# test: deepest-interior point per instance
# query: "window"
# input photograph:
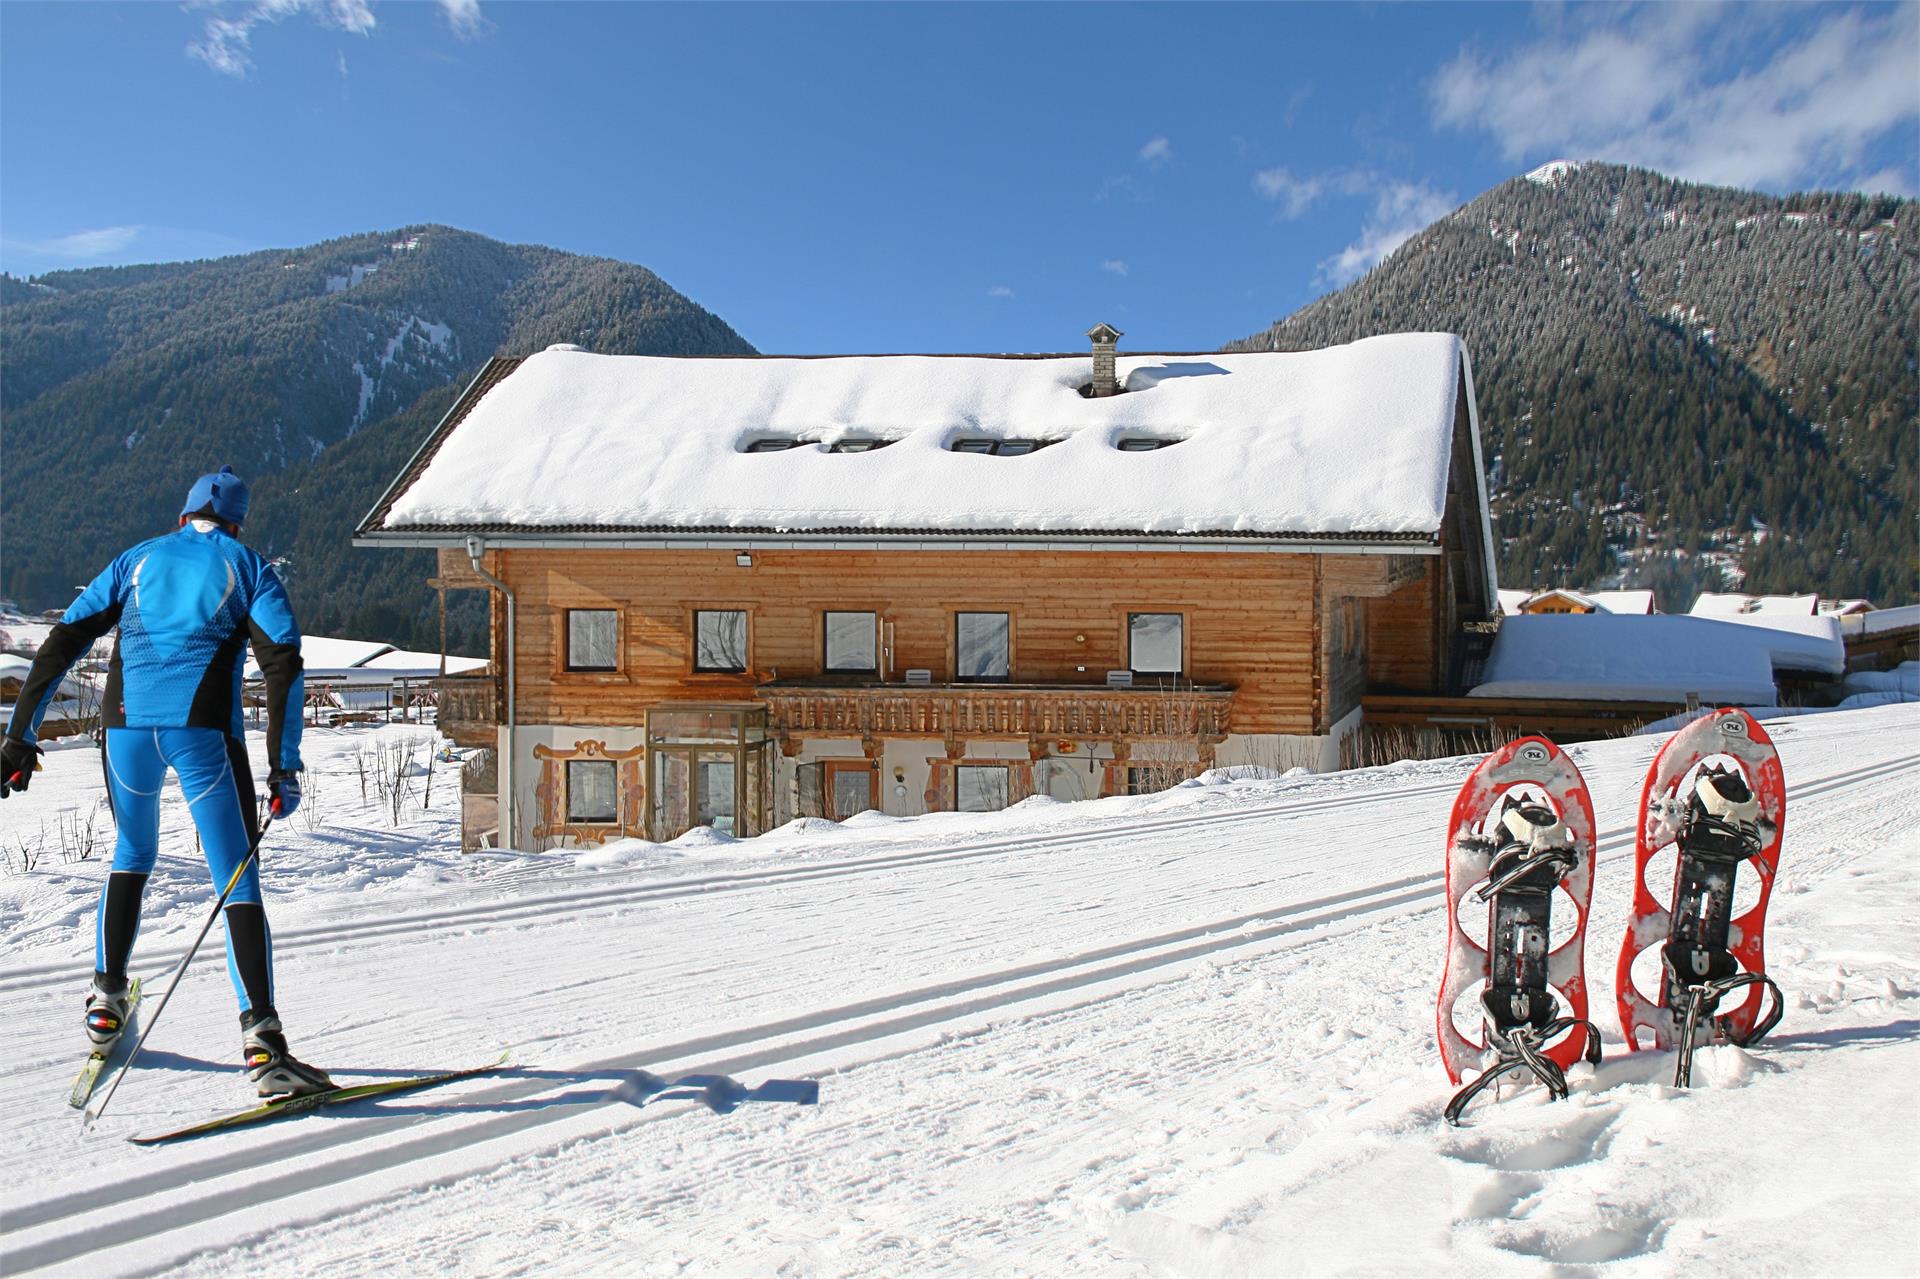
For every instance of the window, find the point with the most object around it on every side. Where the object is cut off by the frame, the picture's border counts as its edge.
(1154, 778)
(593, 639)
(980, 647)
(772, 446)
(1143, 445)
(719, 640)
(980, 788)
(1001, 448)
(851, 642)
(857, 446)
(1154, 643)
(590, 791)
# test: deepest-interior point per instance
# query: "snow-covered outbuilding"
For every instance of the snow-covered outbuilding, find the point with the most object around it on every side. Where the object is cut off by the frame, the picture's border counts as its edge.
(1652, 659)
(367, 675)
(729, 591)
(1560, 600)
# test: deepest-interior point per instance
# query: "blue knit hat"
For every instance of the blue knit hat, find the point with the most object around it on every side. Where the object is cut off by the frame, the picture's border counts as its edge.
(223, 491)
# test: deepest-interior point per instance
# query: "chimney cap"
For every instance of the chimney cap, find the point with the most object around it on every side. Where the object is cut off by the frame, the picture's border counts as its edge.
(1105, 333)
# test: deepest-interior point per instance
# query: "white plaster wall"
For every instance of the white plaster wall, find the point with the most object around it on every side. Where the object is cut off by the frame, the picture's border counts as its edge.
(525, 773)
(1281, 751)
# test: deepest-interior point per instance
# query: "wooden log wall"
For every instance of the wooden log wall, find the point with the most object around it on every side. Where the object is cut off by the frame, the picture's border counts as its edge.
(1251, 620)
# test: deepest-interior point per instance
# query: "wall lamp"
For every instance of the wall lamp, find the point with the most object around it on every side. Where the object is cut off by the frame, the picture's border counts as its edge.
(743, 559)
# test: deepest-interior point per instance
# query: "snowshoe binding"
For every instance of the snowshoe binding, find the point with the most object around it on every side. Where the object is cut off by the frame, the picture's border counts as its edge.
(276, 1072)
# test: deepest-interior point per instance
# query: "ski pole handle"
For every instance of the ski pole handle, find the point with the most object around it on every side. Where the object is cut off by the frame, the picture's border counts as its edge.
(96, 1109)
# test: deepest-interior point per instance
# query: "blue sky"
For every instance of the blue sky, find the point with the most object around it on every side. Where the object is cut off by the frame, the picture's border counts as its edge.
(907, 177)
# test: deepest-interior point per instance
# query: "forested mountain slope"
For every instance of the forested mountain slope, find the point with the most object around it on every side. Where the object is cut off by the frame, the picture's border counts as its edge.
(314, 372)
(1678, 384)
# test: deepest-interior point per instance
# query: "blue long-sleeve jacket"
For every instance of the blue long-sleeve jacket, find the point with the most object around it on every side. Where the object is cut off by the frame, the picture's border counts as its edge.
(187, 605)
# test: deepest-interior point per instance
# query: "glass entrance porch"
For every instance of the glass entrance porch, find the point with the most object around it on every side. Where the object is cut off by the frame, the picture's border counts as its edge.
(708, 766)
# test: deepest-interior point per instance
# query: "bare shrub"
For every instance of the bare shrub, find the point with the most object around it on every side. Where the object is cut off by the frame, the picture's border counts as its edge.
(387, 765)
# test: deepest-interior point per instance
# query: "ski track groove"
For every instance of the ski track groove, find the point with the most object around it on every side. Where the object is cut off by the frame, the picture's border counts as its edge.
(743, 1049)
(617, 896)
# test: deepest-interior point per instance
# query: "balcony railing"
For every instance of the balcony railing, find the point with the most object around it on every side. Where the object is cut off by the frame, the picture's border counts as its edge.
(988, 710)
(468, 708)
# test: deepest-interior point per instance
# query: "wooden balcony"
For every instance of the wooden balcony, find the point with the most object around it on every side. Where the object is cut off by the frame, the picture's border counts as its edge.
(468, 708)
(1076, 711)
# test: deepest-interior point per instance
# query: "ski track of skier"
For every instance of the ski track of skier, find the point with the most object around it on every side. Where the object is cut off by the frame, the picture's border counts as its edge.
(1068, 994)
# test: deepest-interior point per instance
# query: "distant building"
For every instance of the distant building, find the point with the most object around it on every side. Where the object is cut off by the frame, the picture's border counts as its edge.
(1519, 603)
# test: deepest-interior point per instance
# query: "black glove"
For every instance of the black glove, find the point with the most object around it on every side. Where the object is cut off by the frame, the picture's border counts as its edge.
(283, 793)
(18, 760)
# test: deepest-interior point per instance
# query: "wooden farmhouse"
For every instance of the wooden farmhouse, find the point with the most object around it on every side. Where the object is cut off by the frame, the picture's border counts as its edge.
(729, 592)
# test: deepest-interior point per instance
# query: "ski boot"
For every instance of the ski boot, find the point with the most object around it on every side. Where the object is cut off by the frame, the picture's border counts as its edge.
(1720, 829)
(108, 1002)
(275, 1072)
(1530, 854)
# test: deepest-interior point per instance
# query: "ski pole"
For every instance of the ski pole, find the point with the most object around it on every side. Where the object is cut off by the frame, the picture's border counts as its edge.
(96, 1109)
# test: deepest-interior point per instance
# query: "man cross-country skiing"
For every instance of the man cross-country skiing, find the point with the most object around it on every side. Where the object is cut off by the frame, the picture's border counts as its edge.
(187, 605)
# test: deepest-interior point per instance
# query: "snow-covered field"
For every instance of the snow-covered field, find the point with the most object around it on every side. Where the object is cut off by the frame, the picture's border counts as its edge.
(1188, 1034)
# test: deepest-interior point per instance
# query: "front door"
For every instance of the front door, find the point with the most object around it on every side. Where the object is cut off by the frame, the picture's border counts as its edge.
(713, 794)
(850, 788)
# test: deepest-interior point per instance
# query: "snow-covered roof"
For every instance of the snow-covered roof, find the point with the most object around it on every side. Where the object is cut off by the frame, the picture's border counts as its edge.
(1351, 441)
(1719, 604)
(401, 661)
(1510, 601)
(1632, 602)
(1614, 658)
(1881, 620)
(321, 654)
(1798, 641)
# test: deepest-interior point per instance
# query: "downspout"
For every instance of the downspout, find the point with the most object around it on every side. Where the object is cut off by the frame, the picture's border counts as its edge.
(476, 547)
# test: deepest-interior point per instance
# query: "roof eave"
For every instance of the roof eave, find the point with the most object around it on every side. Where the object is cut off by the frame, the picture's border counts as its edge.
(640, 539)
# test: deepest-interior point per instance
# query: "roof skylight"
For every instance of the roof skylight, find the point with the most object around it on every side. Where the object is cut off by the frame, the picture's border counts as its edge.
(1001, 448)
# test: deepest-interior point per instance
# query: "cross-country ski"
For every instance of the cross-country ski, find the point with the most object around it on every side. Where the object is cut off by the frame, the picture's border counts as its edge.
(107, 1021)
(306, 1103)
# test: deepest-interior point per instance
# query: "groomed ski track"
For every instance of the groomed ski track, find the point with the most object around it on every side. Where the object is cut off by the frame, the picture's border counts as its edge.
(606, 985)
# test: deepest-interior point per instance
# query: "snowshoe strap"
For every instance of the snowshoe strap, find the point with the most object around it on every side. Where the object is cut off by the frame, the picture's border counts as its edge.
(1703, 1000)
(1523, 1050)
(1561, 859)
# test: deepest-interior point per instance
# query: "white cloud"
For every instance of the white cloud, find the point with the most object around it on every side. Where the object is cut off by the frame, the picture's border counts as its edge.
(1888, 182)
(999, 291)
(88, 244)
(226, 45)
(1157, 151)
(463, 16)
(1401, 210)
(1676, 88)
(1115, 266)
(1294, 194)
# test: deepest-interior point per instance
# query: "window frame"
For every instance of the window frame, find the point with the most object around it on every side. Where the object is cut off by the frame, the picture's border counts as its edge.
(1181, 670)
(566, 652)
(1006, 774)
(960, 678)
(826, 641)
(832, 769)
(567, 785)
(746, 643)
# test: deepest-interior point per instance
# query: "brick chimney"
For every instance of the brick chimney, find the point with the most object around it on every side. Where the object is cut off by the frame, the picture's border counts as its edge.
(1104, 381)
